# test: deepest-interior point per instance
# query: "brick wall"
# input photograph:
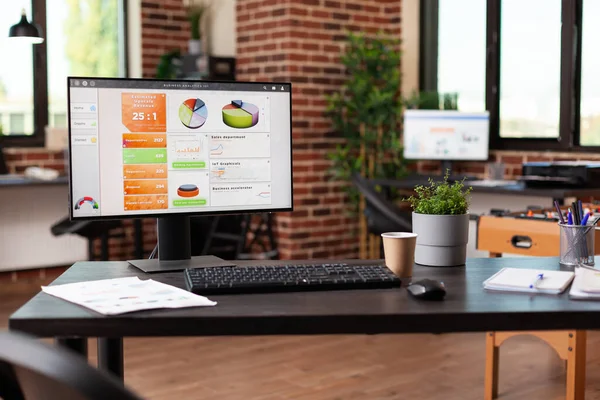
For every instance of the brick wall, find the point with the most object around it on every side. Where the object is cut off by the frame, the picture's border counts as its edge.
(301, 41)
(164, 28)
(17, 159)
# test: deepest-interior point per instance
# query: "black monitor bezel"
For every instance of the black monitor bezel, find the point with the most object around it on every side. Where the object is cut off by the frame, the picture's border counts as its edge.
(180, 214)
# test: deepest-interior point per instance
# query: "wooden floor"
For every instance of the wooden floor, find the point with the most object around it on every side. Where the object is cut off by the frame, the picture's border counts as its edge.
(336, 367)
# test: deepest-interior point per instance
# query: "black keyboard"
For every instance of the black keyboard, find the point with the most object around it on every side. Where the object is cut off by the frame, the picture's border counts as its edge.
(288, 278)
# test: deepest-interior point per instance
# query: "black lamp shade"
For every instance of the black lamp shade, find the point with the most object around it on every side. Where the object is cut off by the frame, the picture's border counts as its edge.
(26, 30)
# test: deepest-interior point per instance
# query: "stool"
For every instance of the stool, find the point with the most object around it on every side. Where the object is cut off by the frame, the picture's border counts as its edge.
(569, 345)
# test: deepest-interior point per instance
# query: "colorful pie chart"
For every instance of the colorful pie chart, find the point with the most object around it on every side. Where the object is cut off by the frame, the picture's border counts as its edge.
(193, 113)
(240, 114)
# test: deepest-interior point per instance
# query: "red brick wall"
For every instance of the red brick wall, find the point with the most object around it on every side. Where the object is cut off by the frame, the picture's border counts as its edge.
(17, 159)
(301, 41)
(164, 28)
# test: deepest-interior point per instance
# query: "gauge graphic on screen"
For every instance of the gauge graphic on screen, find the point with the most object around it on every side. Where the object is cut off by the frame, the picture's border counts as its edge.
(240, 114)
(193, 113)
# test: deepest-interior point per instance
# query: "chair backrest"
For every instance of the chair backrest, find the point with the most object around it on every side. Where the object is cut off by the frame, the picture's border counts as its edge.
(46, 372)
(386, 215)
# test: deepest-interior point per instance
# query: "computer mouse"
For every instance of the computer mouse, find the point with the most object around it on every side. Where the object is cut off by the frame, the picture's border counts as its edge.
(427, 289)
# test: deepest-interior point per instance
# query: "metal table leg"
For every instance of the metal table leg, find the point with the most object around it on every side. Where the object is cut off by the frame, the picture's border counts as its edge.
(78, 345)
(110, 356)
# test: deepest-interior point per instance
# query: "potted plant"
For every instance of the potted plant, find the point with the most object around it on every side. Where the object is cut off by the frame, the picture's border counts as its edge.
(195, 13)
(441, 221)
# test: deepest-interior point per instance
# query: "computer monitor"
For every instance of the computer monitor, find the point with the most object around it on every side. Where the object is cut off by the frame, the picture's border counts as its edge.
(446, 135)
(172, 149)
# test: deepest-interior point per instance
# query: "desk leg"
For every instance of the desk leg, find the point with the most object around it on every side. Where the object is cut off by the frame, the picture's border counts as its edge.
(492, 355)
(78, 345)
(576, 365)
(110, 356)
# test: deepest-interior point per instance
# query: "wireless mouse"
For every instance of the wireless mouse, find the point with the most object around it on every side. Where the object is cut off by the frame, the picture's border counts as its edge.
(427, 289)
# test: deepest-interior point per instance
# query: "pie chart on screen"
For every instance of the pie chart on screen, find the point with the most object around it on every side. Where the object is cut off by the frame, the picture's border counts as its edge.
(193, 113)
(240, 114)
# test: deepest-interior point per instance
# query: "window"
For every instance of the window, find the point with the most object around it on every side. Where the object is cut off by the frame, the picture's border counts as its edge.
(589, 124)
(541, 84)
(17, 122)
(82, 38)
(461, 52)
(530, 68)
(16, 79)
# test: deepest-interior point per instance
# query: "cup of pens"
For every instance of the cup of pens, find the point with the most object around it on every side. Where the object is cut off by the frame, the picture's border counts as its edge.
(577, 234)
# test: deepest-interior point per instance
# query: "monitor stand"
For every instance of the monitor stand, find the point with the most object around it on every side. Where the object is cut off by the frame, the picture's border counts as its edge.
(175, 249)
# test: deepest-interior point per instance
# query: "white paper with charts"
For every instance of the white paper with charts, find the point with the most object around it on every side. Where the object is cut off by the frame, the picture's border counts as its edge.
(123, 295)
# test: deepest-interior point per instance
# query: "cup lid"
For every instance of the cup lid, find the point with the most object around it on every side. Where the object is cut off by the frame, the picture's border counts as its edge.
(399, 235)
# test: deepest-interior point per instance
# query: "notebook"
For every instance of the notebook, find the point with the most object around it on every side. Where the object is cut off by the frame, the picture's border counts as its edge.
(586, 284)
(520, 280)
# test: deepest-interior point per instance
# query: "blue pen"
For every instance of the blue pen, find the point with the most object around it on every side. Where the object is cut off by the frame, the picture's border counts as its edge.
(585, 219)
(570, 218)
(538, 278)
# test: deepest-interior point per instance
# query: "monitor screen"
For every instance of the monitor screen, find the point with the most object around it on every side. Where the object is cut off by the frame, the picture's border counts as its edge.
(445, 135)
(143, 148)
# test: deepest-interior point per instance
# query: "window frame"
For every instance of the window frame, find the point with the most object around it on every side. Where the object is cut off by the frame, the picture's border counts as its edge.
(570, 75)
(40, 77)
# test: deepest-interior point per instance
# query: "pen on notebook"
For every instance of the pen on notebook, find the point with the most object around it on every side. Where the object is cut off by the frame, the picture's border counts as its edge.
(538, 278)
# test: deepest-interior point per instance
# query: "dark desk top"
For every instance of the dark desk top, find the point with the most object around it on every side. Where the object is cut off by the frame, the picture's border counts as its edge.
(467, 307)
(517, 189)
(17, 180)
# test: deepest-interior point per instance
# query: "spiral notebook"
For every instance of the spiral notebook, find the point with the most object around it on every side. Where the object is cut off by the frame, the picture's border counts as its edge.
(522, 280)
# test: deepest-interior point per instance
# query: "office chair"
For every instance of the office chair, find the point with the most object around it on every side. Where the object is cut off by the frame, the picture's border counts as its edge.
(382, 215)
(32, 370)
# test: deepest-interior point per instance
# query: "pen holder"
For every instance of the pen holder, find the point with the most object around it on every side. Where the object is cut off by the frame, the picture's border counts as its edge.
(576, 245)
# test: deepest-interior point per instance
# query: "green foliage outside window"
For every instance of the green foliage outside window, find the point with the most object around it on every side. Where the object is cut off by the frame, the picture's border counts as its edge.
(92, 42)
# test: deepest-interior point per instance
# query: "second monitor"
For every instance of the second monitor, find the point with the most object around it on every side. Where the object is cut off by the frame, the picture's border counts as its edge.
(446, 135)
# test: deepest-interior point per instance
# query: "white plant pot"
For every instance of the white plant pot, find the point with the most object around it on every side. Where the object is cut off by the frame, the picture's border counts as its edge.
(441, 239)
(194, 47)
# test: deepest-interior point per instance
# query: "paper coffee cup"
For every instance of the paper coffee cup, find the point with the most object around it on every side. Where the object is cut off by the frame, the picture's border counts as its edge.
(399, 251)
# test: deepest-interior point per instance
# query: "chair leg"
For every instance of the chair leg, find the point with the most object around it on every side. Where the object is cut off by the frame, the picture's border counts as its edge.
(491, 366)
(576, 365)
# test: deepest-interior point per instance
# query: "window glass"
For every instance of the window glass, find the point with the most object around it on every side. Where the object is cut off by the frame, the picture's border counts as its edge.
(83, 40)
(590, 79)
(461, 51)
(530, 45)
(16, 73)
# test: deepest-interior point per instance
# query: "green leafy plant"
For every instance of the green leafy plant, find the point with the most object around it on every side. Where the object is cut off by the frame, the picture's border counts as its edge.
(367, 112)
(441, 198)
(169, 65)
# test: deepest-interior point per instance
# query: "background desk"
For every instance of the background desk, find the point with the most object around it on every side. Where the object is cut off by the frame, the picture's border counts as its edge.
(27, 211)
(467, 308)
(514, 197)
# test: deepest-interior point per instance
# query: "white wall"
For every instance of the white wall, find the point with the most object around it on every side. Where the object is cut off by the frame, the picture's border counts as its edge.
(25, 237)
(222, 30)
(134, 38)
(410, 46)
